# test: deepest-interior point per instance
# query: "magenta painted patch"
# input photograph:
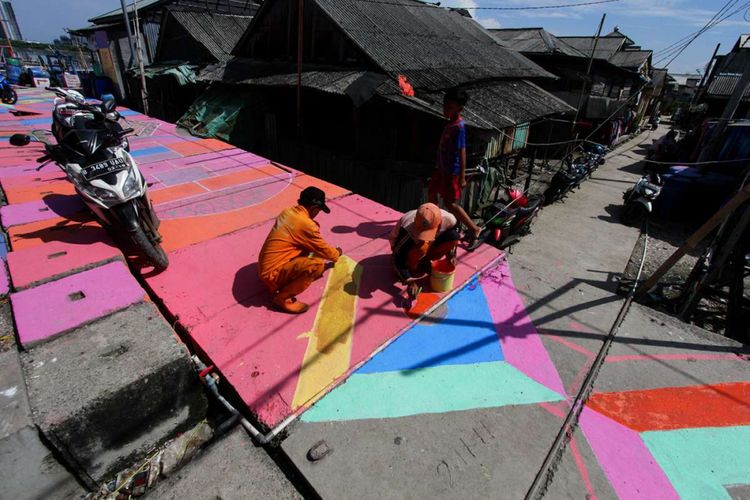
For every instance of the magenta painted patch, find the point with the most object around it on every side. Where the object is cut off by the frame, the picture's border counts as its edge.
(56, 258)
(57, 307)
(51, 207)
(520, 341)
(628, 464)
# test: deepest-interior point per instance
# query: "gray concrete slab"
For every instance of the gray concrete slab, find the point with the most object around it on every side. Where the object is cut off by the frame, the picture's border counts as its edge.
(653, 350)
(469, 454)
(27, 468)
(232, 468)
(107, 393)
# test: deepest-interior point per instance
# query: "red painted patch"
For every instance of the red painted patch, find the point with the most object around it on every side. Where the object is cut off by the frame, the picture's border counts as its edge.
(720, 405)
(423, 304)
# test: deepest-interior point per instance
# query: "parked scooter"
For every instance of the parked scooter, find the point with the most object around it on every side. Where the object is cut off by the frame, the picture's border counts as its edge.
(91, 151)
(7, 92)
(569, 177)
(639, 200)
(508, 222)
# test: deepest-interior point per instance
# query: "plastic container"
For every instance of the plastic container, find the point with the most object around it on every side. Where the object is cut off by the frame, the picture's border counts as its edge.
(441, 278)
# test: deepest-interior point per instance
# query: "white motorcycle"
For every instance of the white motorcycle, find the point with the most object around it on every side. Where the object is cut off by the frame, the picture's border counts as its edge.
(639, 200)
(92, 150)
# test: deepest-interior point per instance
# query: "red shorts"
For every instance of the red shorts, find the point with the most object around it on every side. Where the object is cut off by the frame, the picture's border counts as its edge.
(446, 185)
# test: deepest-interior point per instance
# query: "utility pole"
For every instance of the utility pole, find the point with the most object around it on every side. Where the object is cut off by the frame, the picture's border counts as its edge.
(5, 34)
(129, 31)
(139, 55)
(300, 53)
(726, 117)
(704, 78)
(588, 70)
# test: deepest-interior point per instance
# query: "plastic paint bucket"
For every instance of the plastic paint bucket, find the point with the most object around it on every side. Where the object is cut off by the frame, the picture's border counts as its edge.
(441, 279)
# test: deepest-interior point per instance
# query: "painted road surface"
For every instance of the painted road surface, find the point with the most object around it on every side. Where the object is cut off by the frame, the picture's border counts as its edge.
(217, 204)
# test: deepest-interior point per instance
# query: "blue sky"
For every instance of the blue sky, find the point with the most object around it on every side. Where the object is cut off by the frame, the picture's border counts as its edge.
(654, 24)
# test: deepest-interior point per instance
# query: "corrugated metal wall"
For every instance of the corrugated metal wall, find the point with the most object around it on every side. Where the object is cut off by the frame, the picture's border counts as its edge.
(151, 32)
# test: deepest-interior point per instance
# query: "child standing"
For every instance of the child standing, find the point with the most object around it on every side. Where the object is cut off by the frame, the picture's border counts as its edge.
(449, 177)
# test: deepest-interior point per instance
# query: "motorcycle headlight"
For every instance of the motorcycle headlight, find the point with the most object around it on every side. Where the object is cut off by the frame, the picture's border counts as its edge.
(102, 194)
(132, 186)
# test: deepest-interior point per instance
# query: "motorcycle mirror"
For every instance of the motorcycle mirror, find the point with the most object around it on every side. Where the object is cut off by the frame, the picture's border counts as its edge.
(20, 140)
(109, 105)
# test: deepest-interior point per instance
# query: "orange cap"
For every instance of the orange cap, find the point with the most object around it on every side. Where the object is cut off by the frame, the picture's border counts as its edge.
(427, 222)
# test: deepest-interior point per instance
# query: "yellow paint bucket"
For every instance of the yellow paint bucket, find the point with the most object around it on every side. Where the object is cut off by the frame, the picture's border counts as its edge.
(441, 278)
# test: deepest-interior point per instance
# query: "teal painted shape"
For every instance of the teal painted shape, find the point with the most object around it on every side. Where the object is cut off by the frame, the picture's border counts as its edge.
(437, 389)
(700, 463)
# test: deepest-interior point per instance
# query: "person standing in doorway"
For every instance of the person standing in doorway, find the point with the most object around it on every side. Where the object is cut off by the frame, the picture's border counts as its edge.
(449, 178)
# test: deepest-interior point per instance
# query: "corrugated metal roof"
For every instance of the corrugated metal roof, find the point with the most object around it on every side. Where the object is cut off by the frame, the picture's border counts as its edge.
(434, 47)
(724, 85)
(494, 105)
(142, 4)
(734, 62)
(606, 47)
(217, 32)
(535, 41)
(497, 104)
(631, 59)
(245, 7)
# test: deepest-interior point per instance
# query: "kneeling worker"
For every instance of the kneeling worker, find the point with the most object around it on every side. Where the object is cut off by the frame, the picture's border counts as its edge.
(420, 237)
(295, 254)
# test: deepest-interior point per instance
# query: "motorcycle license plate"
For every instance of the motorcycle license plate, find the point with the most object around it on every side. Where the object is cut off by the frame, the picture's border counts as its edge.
(103, 168)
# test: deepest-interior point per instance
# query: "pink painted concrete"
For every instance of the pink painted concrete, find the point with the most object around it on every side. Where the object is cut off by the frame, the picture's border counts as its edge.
(214, 289)
(50, 207)
(521, 344)
(56, 259)
(51, 309)
(628, 464)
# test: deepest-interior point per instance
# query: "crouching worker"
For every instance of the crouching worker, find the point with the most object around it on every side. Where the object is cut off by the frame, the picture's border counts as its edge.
(295, 254)
(420, 237)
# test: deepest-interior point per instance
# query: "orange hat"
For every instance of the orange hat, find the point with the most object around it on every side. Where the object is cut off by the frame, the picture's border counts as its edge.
(427, 222)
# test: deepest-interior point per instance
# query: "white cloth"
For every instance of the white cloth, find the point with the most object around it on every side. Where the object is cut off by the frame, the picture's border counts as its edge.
(448, 221)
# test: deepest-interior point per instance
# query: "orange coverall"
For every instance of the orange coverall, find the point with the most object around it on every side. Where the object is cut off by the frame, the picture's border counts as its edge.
(285, 256)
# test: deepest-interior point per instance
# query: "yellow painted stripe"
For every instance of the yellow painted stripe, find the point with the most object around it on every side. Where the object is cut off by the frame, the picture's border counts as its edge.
(329, 344)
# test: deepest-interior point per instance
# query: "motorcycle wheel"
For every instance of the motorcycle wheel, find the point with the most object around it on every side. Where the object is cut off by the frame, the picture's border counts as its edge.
(10, 97)
(151, 250)
(634, 213)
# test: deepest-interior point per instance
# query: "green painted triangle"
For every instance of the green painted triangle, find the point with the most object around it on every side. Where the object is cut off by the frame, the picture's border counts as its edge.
(436, 389)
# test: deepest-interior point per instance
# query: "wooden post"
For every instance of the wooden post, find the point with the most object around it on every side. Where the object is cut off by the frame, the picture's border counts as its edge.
(737, 325)
(529, 177)
(694, 239)
(588, 70)
(724, 248)
(300, 53)
(516, 164)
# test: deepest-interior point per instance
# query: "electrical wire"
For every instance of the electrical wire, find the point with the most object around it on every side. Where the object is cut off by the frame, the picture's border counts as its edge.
(722, 15)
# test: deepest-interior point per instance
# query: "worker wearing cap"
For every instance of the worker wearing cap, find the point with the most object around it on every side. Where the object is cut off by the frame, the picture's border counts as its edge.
(420, 237)
(295, 254)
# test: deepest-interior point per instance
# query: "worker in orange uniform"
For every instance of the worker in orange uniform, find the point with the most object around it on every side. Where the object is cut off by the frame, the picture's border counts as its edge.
(421, 237)
(295, 254)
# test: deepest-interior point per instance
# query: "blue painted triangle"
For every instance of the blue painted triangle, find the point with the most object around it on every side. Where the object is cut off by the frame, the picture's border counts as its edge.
(466, 335)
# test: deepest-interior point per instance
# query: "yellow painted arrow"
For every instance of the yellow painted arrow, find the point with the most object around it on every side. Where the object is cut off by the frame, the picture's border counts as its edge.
(329, 345)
